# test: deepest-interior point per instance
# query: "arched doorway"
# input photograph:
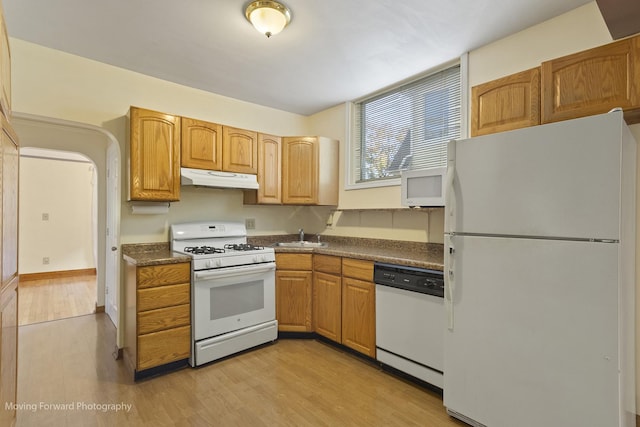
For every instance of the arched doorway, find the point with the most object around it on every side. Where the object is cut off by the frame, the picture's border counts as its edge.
(103, 149)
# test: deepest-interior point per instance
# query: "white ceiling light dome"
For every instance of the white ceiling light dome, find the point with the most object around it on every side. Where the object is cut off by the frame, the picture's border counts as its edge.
(268, 17)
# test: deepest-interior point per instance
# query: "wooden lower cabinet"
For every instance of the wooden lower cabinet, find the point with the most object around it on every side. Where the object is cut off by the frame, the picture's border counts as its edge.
(327, 296)
(359, 316)
(293, 300)
(158, 315)
(8, 351)
(162, 347)
(358, 306)
(327, 304)
(336, 300)
(294, 283)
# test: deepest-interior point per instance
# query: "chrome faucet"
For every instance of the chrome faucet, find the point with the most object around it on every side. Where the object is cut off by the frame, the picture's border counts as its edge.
(301, 231)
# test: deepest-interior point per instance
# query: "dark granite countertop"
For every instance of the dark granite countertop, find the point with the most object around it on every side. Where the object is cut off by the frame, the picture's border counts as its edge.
(143, 254)
(415, 254)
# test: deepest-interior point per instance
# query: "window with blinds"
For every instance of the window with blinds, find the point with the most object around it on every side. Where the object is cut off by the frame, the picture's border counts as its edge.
(407, 127)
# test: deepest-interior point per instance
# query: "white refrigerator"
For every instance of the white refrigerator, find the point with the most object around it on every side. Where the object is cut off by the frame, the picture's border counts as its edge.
(540, 276)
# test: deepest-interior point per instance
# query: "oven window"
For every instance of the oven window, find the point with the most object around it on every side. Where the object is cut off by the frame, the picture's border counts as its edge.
(236, 299)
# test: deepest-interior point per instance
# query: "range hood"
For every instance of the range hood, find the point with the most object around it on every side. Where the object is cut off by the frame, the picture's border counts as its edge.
(218, 179)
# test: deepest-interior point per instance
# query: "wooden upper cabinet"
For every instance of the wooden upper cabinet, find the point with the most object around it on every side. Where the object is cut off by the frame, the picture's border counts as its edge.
(507, 103)
(593, 82)
(269, 172)
(300, 170)
(239, 150)
(201, 144)
(155, 156)
(309, 171)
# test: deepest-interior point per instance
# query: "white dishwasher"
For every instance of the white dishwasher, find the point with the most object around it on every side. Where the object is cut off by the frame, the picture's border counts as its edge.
(410, 321)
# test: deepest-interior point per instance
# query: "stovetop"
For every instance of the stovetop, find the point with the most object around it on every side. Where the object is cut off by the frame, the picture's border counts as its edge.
(229, 247)
(217, 245)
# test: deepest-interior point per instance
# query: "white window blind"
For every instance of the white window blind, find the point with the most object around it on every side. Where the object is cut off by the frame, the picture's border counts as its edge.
(407, 127)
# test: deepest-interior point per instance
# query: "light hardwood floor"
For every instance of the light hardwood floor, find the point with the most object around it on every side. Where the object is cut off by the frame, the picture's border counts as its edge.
(43, 300)
(288, 383)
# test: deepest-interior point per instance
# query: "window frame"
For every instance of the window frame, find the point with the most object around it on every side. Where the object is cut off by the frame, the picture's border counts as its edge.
(353, 143)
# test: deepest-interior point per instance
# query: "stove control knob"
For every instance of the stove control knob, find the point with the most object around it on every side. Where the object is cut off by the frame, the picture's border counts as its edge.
(218, 263)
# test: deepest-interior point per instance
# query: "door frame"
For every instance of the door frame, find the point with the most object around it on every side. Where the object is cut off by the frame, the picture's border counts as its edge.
(98, 144)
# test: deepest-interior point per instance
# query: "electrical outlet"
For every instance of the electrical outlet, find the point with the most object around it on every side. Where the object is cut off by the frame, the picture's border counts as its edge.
(45, 217)
(250, 223)
(45, 260)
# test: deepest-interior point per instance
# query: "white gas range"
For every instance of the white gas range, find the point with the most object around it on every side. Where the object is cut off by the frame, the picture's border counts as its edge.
(232, 289)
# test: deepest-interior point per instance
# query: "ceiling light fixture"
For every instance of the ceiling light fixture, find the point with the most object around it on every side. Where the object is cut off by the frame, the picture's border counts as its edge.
(268, 17)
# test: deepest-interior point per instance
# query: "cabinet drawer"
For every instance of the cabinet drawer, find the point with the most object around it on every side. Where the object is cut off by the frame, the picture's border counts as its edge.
(357, 268)
(163, 318)
(164, 296)
(165, 274)
(159, 348)
(294, 262)
(327, 264)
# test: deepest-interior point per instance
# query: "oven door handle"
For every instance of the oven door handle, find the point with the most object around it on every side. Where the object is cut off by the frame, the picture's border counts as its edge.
(235, 271)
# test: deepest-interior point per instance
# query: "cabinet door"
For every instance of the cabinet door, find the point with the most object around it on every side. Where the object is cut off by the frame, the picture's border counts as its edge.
(593, 82)
(239, 150)
(269, 172)
(327, 303)
(293, 300)
(508, 103)
(8, 350)
(201, 144)
(10, 160)
(300, 170)
(269, 169)
(359, 315)
(155, 156)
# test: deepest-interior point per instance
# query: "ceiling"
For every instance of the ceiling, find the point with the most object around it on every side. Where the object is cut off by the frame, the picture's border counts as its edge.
(333, 50)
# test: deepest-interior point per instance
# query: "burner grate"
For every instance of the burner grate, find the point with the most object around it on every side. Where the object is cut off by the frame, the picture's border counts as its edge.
(203, 250)
(243, 247)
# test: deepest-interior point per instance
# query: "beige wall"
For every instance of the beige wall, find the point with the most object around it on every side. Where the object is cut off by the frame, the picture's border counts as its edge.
(577, 30)
(50, 83)
(54, 84)
(580, 29)
(65, 191)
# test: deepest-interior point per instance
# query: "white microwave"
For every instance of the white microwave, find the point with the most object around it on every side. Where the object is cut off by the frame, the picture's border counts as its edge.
(424, 187)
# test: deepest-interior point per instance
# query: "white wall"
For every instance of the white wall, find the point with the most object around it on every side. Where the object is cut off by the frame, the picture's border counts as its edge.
(65, 191)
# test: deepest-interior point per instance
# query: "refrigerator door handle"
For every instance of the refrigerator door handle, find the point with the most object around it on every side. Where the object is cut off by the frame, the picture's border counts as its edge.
(449, 281)
(449, 194)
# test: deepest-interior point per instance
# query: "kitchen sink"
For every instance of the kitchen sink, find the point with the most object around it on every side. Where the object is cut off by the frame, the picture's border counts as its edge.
(301, 244)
